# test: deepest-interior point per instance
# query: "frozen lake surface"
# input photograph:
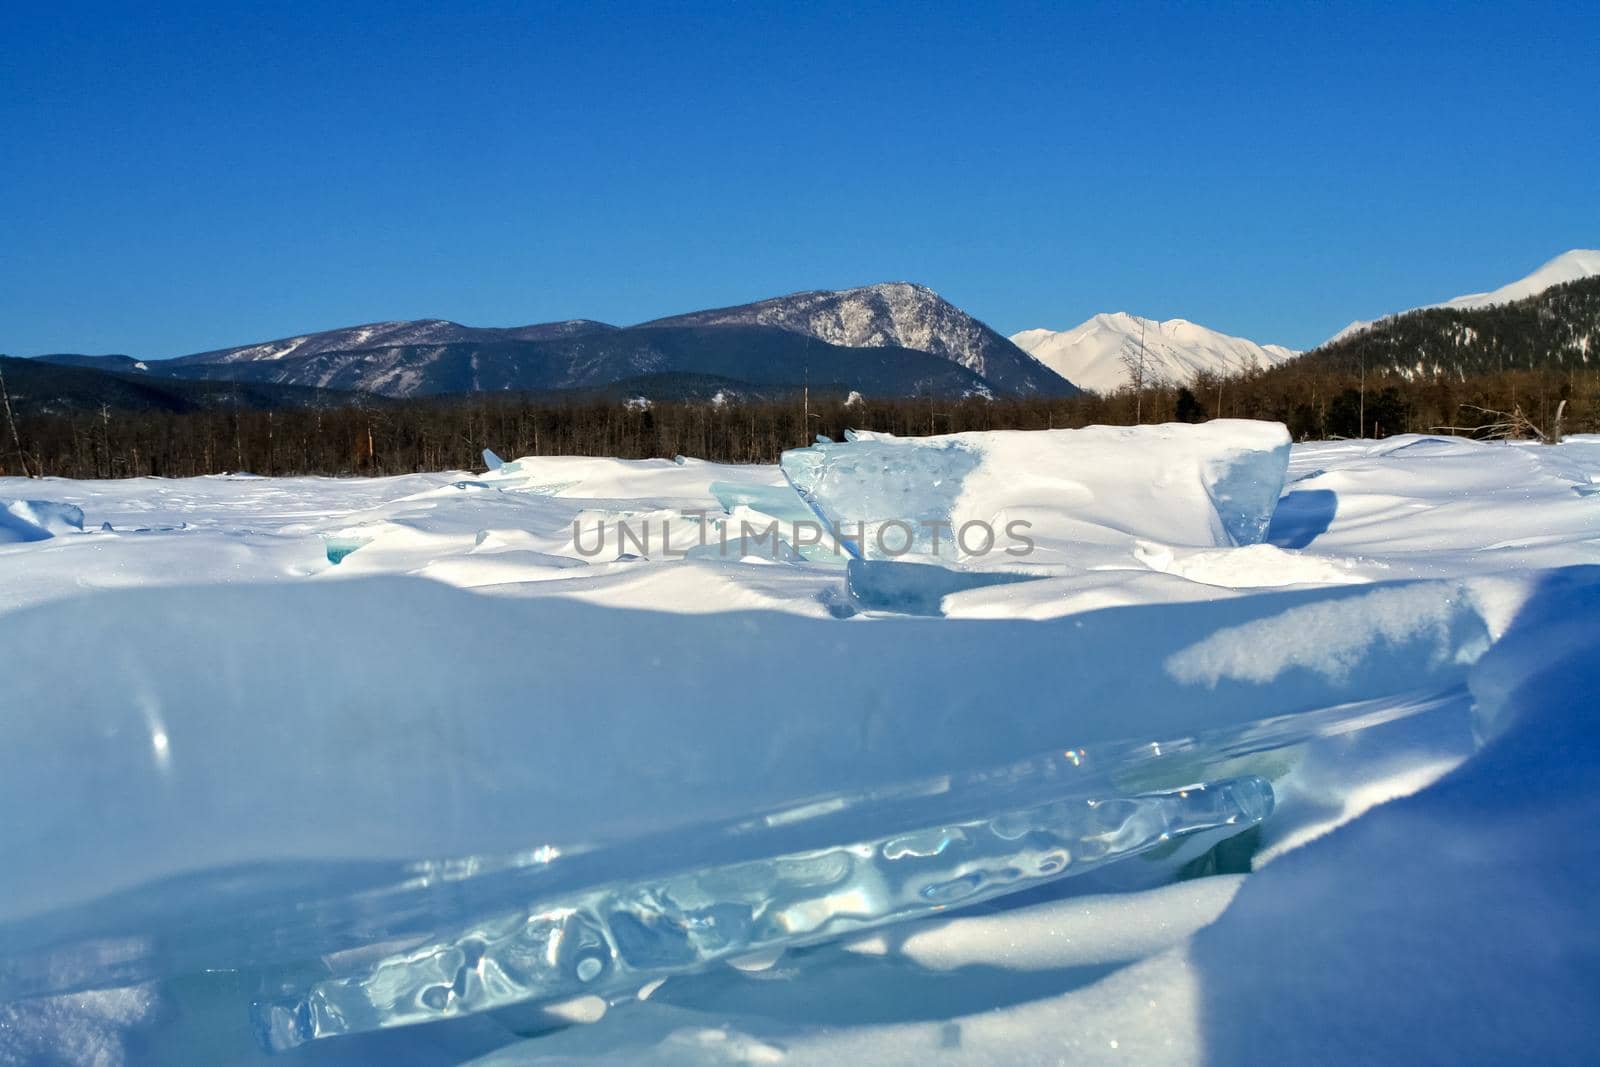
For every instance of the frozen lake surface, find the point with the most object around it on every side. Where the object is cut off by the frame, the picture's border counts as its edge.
(556, 763)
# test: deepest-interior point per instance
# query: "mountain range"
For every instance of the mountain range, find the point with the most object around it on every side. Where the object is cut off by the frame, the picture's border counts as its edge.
(892, 340)
(889, 340)
(1103, 353)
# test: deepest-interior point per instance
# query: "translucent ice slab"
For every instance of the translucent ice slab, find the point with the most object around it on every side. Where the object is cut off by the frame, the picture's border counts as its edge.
(798, 525)
(994, 498)
(914, 588)
(894, 493)
(625, 935)
(811, 876)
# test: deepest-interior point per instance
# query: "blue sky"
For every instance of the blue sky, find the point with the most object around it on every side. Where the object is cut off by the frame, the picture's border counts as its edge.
(176, 179)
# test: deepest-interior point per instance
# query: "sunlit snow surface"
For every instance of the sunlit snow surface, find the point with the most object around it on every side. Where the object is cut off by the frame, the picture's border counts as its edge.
(324, 751)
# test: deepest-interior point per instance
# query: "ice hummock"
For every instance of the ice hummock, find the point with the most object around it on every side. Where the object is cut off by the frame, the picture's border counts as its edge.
(993, 498)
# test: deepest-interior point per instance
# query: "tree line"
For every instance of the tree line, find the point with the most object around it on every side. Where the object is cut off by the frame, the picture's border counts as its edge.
(1314, 399)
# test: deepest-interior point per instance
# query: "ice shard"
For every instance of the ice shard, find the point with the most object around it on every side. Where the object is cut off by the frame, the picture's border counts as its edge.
(889, 497)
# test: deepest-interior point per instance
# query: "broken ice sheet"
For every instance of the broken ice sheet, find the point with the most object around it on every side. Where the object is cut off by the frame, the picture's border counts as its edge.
(624, 935)
(939, 843)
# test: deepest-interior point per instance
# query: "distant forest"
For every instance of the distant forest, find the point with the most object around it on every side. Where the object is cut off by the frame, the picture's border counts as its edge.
(1314, 401)
(1519, 369)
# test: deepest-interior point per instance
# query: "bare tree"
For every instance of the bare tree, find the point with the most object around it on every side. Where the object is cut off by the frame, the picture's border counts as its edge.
(11, 421)
(1134, 361)
(1509, 425)
(1361, 418)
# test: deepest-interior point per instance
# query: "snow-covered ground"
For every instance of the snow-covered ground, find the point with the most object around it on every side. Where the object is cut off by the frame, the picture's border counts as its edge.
(265, 733)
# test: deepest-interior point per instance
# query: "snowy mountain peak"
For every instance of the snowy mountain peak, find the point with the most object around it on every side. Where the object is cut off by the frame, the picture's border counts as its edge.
(890, 314)
(1567, 267)
(1101, 353)
(1571, 266)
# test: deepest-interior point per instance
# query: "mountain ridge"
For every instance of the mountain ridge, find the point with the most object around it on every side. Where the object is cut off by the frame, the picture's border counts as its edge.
(1570, 266)
(1558, 327)
(41, 386)
(753, 355)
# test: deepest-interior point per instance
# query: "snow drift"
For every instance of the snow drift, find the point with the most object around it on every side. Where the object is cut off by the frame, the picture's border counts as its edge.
(37, 520)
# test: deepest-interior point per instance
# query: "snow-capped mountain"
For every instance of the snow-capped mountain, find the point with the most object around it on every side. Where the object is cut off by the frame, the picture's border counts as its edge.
(1100, 354)
(891, 314)
(1568, 267)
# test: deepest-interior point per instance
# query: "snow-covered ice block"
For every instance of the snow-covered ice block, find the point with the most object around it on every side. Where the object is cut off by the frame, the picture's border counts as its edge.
(37, 520)
(991, 498)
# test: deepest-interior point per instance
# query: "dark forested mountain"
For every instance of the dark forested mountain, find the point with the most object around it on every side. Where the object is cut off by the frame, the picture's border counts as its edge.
(386, 335)
(1557, 329)
(44, 387)
(893, 340)
(121, 364)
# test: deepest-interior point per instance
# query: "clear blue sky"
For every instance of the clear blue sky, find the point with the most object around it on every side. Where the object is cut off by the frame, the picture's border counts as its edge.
(176, 179)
